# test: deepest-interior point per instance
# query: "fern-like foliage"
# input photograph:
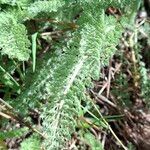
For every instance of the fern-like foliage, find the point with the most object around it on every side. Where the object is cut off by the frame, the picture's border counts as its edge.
(65, 100)
(144, 81)
(17, 45)
(64, 76)
(60, 84)
(10, 2)
(44, 6)
(31, 143)
(15, 42)
(13, 134)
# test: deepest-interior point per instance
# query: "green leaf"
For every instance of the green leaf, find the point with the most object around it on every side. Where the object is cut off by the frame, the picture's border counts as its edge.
(34, 36)
(7, 79)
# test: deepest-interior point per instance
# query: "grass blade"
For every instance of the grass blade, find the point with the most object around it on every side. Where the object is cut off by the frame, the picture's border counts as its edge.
(34, 37)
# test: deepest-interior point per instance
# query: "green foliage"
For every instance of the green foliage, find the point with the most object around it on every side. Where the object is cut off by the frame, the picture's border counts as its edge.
(31, 143)
(14, 42)
(10, 2)
(93, 142)
(44, 6)
(7, 79)
(13, 133)
(60, 82)
(77, 61)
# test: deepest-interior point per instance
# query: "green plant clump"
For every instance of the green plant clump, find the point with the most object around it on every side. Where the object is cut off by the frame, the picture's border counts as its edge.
(81, 38)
